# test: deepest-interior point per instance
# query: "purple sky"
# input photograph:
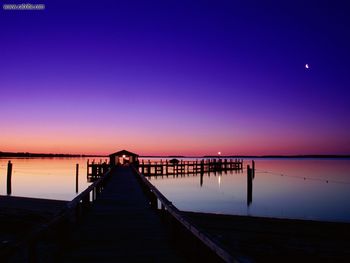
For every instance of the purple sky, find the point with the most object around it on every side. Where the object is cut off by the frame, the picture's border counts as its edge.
(176, 77)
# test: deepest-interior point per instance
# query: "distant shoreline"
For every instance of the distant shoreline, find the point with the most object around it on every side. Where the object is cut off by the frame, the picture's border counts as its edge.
(256, 156)
(283, 156)
(52, 155)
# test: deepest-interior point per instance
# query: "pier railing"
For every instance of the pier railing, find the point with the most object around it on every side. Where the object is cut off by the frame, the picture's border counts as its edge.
(72, 212)
(96, 169)
(166, 207)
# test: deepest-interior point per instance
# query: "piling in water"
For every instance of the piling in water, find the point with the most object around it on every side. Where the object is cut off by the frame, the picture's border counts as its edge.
(249, 186)
(77, 178)
(9, 175)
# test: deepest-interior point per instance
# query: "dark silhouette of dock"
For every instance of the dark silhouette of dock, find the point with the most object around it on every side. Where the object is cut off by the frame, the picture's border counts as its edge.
(122, 227)
(120, 217)
(173, 167)
(180, 167)
(18, 215)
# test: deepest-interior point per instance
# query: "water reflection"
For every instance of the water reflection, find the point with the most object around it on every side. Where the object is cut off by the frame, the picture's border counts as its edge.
(317, 189)
(51, 178)
(289, 188)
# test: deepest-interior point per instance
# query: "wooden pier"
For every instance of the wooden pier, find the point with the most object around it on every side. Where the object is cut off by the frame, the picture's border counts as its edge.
(121, 227)
(132, 221)
(176, 167)
(121, 217)
(170, 167)
(96, 169)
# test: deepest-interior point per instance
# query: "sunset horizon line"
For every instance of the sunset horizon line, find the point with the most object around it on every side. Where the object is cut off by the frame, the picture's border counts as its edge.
(43, 154)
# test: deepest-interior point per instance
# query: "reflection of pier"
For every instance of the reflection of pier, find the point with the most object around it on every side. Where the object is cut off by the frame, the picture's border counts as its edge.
(176, 167)
(199, 174)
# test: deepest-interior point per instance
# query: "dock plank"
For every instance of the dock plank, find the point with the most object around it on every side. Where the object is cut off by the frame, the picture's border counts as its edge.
(122, 227)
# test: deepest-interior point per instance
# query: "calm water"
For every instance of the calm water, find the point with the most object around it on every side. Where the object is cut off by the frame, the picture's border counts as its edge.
(287, 188)
(316, 189)
(51, 178)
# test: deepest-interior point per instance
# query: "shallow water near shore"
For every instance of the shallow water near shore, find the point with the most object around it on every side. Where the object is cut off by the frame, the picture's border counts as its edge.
(316, 189)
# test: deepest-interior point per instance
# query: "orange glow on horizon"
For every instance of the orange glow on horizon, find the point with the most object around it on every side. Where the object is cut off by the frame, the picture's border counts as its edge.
(188, 143)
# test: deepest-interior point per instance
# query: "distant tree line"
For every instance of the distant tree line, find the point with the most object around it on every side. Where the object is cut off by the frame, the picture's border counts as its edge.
(27, 154)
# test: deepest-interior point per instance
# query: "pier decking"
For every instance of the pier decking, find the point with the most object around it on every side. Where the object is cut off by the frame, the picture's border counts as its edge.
(122, 227)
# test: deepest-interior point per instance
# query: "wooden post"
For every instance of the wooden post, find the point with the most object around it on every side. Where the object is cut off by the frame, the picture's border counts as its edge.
(85, 202)
(87, 167)
(153, 200)
(249, 186)
(76, 178)
(9, 175)
(94, 170)
(93, 192)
